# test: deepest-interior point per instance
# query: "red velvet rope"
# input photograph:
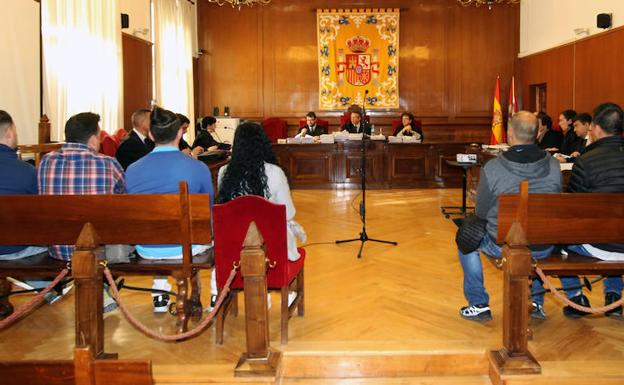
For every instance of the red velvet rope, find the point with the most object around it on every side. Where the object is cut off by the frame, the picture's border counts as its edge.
(169, 337)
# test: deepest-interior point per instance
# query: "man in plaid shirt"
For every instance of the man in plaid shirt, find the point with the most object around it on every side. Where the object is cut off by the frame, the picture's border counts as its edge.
(78, 169)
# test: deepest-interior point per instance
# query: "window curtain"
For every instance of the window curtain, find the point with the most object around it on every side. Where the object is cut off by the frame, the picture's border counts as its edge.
(173, 57)
(82, 58)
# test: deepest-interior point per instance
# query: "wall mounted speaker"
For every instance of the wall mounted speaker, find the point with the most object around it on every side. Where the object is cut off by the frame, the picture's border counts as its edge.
(226, 111)
(125, 20)
(215, 111)
(603, 20)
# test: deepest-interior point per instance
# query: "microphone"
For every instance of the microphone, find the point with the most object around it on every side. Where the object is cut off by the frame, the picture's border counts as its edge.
(366, 92)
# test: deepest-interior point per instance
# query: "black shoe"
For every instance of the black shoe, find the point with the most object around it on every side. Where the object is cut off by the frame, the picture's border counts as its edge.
(479, 313)
(609, 299)
(570, 312)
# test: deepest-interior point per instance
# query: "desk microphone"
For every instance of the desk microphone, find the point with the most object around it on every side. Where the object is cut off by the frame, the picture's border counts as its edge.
(366, 92)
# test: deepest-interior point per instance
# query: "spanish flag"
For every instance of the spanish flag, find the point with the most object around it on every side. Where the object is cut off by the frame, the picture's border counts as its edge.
(498, 132)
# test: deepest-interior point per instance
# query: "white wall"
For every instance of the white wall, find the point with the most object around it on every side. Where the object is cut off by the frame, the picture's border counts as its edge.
(19, 67)
(546, 24)
(139, 13)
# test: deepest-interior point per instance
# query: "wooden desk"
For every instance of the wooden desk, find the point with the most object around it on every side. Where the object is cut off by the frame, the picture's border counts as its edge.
(389, 165)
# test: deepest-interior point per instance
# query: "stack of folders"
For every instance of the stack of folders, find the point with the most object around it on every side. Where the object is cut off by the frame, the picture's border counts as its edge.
(327, 138)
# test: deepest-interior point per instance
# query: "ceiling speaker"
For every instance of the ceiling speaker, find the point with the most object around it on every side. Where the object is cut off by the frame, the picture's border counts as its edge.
(603, 20)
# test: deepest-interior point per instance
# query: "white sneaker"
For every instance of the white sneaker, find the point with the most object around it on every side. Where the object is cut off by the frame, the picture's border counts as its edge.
(161, 303)
(291, 297)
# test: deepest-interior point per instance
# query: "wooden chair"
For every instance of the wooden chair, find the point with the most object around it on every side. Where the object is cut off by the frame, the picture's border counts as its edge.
(39, 150)
(231, 221)
(275, 128)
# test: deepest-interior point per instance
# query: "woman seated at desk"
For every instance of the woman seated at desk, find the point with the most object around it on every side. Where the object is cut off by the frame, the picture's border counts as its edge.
(205, 140)
(408, 127)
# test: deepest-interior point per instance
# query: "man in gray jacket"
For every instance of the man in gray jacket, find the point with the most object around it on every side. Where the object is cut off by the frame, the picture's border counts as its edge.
(502, 175)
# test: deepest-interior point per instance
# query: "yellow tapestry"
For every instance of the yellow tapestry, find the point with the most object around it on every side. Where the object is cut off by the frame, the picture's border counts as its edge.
(358, 58)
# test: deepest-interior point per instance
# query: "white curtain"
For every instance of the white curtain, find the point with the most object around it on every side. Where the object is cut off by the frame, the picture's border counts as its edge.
(82, 57)
(173, 57)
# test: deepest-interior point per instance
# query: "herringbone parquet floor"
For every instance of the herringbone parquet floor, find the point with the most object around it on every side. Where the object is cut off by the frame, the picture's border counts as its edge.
(394, 297)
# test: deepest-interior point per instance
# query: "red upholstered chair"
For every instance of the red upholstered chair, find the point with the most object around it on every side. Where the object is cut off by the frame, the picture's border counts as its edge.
(398, 124)
(230, 223)
(347, 116)
(108, 144)
(275, 128)
(120, 134)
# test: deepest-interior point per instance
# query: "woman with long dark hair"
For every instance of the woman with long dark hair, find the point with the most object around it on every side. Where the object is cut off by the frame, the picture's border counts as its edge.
(253, 170)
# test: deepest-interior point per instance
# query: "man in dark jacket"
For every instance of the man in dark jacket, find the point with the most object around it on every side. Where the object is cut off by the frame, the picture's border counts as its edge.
(502, 175)
(137, 144)
(601, 169)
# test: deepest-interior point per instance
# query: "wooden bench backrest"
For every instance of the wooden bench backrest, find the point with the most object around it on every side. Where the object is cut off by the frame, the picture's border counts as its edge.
(125, 219)
(568, 218)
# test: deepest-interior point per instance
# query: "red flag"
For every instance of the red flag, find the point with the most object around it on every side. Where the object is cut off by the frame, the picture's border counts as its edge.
(513, 104)
(498, 133)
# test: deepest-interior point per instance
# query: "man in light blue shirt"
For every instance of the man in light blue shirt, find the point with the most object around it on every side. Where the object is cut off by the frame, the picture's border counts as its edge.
(160, 172)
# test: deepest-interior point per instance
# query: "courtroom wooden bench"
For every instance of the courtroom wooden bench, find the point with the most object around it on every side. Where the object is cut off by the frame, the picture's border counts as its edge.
(525, 219)
(89, 221)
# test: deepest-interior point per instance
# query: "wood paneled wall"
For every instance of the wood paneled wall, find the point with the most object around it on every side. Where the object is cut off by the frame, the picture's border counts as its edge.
(137, 72)
(578, 75)
(262, 62)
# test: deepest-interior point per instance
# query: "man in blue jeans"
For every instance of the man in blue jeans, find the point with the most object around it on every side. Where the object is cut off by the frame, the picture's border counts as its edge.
(600, 168)
(502, 175)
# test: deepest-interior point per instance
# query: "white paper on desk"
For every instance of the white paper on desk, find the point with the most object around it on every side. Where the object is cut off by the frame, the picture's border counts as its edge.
(341, 135)
(356, 136)
(410, 139)
(327, 138)
(603, 254)
(377, 137)
(293, 140)
(394, 139)
(566, 166)
(307, 139)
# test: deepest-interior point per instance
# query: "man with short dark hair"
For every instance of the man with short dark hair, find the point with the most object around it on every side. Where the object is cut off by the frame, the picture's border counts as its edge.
(16, 177)
(580, 124)
(601, 169)
(137, 144)
(78, 169)
(311, 128)
(160, 172)
(502, 175)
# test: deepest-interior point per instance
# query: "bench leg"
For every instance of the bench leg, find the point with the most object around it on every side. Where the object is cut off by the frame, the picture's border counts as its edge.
(195, 305)
(300, 294)
(285, 314)
(514, 357)
(181, 302)
(221, 315)
(6, 309)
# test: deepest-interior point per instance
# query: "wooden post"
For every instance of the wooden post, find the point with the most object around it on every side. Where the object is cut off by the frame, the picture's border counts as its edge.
(514, 357)
(44, 130)
(87, 273)
(259, 359)
(83, 366)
